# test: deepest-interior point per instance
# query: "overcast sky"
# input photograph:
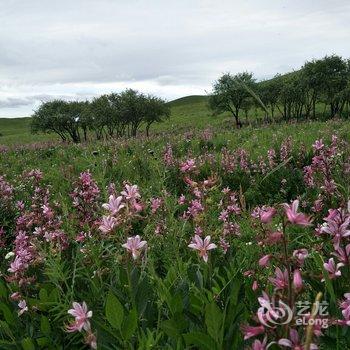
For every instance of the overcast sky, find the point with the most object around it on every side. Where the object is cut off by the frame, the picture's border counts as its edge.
(82, 48)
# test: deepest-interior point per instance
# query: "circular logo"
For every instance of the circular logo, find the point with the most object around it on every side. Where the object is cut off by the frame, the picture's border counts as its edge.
(270, 314)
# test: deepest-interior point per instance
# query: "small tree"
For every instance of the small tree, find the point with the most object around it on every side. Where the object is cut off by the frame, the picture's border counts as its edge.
(230, 94)
(101, 116)
(326, 78)
(60, 117)
(136, 109)
(156, 111)
(269, 91)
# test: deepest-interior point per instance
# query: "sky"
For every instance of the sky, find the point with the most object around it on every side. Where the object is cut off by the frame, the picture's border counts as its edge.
(79, 49)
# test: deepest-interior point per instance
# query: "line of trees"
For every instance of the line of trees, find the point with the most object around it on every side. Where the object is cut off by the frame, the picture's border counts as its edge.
(107, 116)
(295, 95)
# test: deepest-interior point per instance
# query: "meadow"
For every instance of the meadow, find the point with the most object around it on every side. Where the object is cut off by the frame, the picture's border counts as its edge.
(199, 237)
(185, 112)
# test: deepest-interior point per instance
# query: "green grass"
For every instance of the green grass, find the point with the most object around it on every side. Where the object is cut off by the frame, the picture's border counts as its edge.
(186, 113)
(17, 131)
(172, 275)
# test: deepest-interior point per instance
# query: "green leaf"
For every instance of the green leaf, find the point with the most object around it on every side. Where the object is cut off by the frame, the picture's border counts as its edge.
(43, 342)
(43, 296)
(27, 344)
(175, 303)
(5, 329)
(54, 295)
(129, 325)
(201, 340)
(7, 314)
(3, 290)
(114, 311)
(213, 321)
(45, 325)
(175, 326)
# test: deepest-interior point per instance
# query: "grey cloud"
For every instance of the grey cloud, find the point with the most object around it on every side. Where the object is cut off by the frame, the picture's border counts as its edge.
(161, 46)
(15, 102)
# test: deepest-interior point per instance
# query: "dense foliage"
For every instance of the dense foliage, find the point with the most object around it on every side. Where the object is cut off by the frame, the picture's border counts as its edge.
(188, 242)
(296, 95)
(105, 116)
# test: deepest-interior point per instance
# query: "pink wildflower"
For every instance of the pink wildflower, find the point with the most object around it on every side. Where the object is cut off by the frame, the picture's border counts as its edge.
(264, 261)
(332, 268)
(108, 224)
(114, 204)
(131, 192)
(202, 246)
(294, 217)
(134, 245)
(294, 342)
(300, 255)
(297, 279)
(81, 314)
(280, 281)
(22, 307)
(250, 331)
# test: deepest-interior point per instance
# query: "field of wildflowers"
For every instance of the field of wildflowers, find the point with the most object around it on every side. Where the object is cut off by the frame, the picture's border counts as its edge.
(208, 240)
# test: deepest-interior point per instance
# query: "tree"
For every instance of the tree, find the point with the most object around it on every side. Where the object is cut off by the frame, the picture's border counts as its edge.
(132, 109)
(101, 116)
(230, 94)
(60, 117)
(326, 78)
(269, 91)
(313, 82)
(105, 116)
(137, 109)
(156, 111)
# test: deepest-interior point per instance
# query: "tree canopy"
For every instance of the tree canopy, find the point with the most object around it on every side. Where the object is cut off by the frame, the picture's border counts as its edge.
(113, 115)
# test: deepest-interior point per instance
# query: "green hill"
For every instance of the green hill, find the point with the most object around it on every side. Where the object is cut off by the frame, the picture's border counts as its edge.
(17, 131)
(186, 112)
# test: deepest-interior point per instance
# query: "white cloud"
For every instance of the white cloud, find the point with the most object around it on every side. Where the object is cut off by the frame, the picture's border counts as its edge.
(83, 48)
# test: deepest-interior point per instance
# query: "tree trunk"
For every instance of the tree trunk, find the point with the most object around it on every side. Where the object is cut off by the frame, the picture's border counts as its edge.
(238, 122)
(147, 129)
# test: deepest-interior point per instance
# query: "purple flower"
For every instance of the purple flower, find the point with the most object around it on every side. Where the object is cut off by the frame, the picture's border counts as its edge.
(332, 268)
(294, 217)
(81, 314)
(134, 245)
(203, 246)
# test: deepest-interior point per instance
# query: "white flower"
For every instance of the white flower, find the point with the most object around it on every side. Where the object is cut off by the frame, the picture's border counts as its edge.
(9, 255)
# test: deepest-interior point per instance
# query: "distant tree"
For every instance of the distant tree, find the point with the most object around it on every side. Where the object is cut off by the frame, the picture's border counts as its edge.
(137, 109)
(101, 117)
(60, 117)
(343, 99)
(119, 119)
(105, 116)
(312, 79)
(132, 109)
(291, 97)
(326, 78)
(269, 91)
(156, 111)
(230, 94)
(336, 76)
(247, 105)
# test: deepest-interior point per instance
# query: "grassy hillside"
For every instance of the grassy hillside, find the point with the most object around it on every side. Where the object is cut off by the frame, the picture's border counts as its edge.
(186, 112)
(17, 131)
(231, 170)
(189, 111)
